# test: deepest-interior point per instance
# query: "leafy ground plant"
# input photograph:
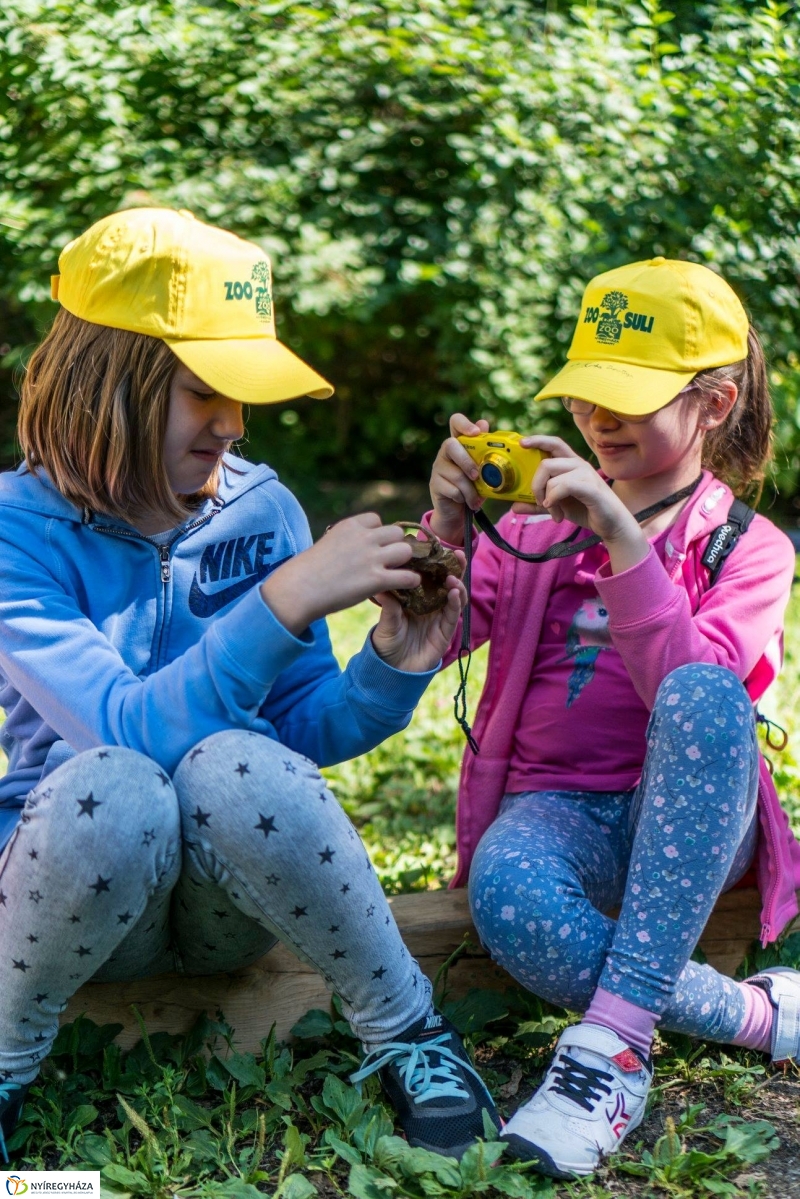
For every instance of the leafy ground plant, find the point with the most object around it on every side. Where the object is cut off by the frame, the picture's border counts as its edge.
(678, 1170)
(191, 1117)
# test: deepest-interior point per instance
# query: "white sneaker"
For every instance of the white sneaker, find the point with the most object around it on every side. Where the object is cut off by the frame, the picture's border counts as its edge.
(592, 1096)
(782, 984)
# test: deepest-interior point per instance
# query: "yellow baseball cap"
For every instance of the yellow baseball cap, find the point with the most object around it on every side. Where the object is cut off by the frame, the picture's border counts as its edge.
(644, 332)
(205, 292)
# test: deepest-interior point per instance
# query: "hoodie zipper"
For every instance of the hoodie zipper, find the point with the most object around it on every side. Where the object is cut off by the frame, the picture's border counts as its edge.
(164, 556)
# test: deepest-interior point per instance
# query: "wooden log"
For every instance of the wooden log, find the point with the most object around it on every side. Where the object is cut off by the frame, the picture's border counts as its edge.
(280, 989)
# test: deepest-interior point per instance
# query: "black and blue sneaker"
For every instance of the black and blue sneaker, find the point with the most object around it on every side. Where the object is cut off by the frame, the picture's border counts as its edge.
(439, 1097)
(12, 1096)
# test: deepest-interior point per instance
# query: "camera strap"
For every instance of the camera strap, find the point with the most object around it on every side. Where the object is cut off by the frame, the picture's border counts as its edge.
(561, 549)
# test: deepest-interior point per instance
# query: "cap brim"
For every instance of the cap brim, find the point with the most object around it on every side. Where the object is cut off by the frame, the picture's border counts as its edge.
(253, 370)
(622, 387)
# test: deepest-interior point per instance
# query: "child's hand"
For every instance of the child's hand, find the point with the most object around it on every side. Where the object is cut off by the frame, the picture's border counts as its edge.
(452, 481)
(356, 558)
(569, 488)
(548, 445)
(416, 643)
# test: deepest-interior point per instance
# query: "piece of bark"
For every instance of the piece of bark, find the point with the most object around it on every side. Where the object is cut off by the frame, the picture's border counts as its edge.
(433, 563)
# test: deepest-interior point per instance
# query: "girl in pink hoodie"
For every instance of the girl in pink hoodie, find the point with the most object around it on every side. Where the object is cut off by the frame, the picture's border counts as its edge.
(618, 762)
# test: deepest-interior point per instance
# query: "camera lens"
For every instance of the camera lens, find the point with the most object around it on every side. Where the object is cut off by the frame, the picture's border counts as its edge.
(492, 475)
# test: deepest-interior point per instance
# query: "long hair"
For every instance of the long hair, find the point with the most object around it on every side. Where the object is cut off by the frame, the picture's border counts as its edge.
(739, 450)
(93, 415)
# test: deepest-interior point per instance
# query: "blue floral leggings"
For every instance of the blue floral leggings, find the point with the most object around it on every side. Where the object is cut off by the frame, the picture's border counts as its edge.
(553, 862)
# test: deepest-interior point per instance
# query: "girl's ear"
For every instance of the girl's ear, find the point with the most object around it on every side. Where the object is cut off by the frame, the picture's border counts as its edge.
(716, 408)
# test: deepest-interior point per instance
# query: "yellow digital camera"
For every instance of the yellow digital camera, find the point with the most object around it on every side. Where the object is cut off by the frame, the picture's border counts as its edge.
(506, 468)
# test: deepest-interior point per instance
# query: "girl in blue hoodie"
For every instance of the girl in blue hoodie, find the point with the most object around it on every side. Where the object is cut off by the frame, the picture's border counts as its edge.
(168, 679)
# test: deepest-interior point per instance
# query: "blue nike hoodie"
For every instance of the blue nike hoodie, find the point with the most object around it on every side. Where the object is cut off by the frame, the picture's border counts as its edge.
(107, 638)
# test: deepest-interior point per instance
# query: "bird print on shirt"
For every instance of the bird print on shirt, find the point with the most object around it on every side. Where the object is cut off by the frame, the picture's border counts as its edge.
(587, 636)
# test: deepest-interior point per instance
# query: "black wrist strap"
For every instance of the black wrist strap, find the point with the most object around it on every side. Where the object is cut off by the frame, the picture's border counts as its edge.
(561, 549)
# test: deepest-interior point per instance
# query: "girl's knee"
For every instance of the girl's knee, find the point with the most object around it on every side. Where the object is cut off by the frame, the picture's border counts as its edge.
(696, 682)
(114, 784)
(523, 913)
(703, 707)
(494, 916)
(111, 806)
(512, 910)
(247, 755)
(529, 936)
(236, 781)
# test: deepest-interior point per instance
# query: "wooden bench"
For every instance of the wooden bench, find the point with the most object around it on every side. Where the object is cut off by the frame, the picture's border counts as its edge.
(280, 989)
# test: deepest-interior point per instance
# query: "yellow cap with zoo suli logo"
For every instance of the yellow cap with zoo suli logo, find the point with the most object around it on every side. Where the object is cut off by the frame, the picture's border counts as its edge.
(645, 330)
(202, 290)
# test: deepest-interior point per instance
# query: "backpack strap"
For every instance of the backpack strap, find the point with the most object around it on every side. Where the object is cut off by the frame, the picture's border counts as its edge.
(723, 539)
(720, 544)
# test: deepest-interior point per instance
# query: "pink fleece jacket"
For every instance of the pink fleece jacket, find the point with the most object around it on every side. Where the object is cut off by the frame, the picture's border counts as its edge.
(661, 616)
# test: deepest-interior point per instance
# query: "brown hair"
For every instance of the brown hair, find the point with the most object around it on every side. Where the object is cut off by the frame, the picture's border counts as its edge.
(739, 450)
(93, 414)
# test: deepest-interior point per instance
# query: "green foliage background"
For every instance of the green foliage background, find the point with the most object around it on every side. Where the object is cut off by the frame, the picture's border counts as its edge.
(435, 178)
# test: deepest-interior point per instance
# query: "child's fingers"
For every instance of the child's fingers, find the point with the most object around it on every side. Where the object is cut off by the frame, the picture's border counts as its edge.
(390, 606)
(561, 466)
(370, 520)
(389, 535)
(360, 529)
(396, 580)
(396, 553)
(448, 618)
(451, 484)
(549, 445)
(529, 509)
(549, 468)
(556, 491)
(568, 485)
(455, 586)
(453, 451)
(462, 426)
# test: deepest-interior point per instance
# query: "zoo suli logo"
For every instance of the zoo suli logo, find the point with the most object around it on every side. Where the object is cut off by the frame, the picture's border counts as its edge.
(609, 326)
(256, 287)
(19, 1185)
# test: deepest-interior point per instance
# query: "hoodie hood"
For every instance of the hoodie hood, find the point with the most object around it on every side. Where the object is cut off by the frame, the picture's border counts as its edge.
(29, 492)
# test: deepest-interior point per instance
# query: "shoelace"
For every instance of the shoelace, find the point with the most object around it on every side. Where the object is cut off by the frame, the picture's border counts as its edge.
(9, 1091)
(422, 1078)
(581, 1084)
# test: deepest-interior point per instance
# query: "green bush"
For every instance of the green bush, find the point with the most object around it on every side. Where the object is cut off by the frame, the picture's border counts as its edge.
(435, 178)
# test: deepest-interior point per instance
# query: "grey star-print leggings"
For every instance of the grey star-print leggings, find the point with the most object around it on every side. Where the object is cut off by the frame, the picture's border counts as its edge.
(116, 871)
(553, 862)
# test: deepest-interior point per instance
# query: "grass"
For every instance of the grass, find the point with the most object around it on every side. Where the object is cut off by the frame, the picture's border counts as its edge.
(192, 1117)
(402, 796)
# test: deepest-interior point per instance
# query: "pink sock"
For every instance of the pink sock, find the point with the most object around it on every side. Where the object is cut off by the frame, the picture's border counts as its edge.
(633, 1025)
(756, 1030)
